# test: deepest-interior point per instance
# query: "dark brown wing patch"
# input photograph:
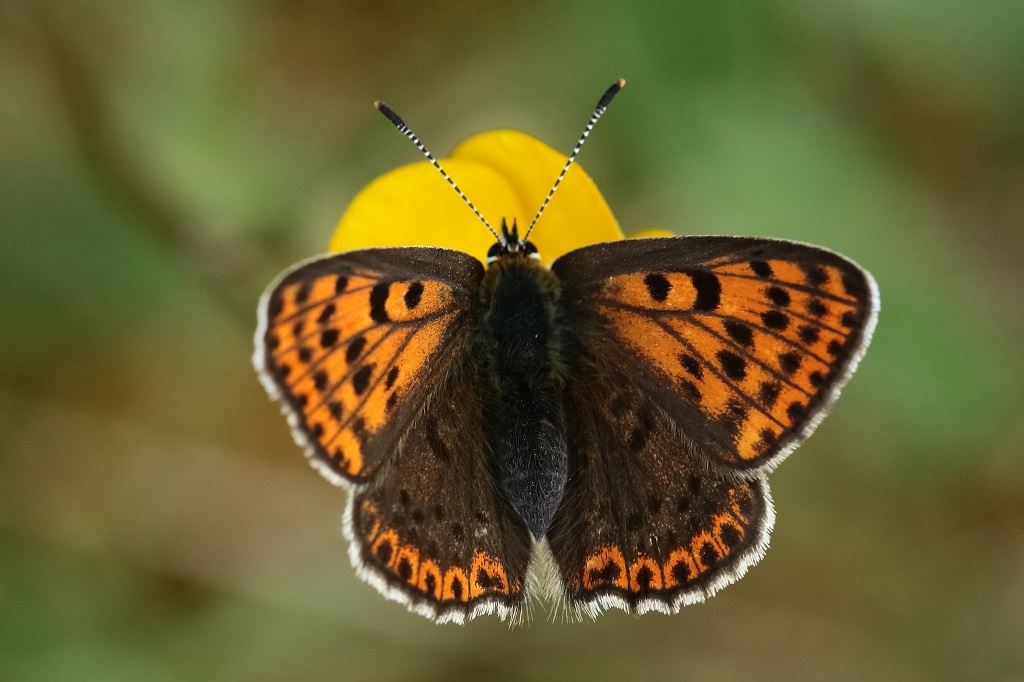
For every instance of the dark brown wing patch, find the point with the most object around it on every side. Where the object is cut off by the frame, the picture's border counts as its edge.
(432, 530)
(681, 532)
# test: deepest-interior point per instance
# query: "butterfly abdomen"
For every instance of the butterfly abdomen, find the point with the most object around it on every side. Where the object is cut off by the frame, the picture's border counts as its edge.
(520, 346)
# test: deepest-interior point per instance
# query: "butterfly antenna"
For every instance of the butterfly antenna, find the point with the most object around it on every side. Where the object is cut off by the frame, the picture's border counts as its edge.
(404, 129)
(606, 99)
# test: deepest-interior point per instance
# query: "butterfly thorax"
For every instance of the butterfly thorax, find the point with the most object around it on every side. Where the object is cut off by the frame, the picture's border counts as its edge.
(519, 345)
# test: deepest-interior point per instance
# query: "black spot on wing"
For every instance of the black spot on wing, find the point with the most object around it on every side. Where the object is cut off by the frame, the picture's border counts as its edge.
(809, 334)
(355, 349)
(733, 365)
(816, 308)
(384, 550)
(320, 380)
(769, 391)
(709, 290)
(778, 296)
(644, 577)
(359, 427)
(816, 275)
(692, 366)
(773, 319)
(739, 332)
(730, 536)
(328, 338)
(378, 302)
(790, 362)
(413, 295)
(326, 313)
(361, 379)
(690, 390)
(658, 286)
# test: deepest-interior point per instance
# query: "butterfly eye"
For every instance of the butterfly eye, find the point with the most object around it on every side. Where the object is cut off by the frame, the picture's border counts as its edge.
(496, 250)
(530, 250)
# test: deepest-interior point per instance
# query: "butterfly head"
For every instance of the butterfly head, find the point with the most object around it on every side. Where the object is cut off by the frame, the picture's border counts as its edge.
(510, 243)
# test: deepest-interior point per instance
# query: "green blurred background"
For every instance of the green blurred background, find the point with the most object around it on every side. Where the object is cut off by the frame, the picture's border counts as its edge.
(160, 162)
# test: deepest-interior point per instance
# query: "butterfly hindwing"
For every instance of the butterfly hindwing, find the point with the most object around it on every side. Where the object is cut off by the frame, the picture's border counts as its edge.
(744, 342)
(645, 523)
(352, 344)
(432, 530)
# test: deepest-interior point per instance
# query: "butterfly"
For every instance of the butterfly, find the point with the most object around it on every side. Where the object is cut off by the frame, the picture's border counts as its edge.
(601, 429)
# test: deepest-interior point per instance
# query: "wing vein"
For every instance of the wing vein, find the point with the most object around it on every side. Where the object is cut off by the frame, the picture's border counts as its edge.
(749, 400)
(775, 335)
(299, 312)
(803, 288)
(369, 389)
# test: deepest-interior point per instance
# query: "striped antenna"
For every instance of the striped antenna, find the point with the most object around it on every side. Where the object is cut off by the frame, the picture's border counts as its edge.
(606, 99)
(404, 129)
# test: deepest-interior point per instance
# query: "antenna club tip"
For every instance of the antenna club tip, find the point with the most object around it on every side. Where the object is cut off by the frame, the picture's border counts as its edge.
(377, 104)
(621, 82)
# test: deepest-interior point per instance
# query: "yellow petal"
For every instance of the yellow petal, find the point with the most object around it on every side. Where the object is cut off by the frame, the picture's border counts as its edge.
(506, 174)
(414, 206)
(653, 232)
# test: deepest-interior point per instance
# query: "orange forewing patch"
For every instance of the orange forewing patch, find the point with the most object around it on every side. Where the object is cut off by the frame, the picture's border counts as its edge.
(756, 346)
(348, 348)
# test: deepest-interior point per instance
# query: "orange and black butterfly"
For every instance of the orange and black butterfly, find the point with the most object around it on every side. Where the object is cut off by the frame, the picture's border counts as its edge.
(613, 417)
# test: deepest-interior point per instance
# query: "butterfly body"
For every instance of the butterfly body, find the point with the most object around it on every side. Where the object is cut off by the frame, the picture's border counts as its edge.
(520, 348)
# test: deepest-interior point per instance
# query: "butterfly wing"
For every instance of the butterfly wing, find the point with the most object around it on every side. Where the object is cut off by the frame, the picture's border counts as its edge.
(352, 345)
(744, 342)
(695, 365)
(367, 351)
(432, 530)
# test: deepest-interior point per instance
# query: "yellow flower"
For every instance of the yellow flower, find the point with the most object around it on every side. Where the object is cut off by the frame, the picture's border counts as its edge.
(506, 174)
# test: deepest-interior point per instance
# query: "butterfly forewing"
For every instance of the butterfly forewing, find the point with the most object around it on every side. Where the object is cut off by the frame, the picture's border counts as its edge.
(352, 346)
(744, 342)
